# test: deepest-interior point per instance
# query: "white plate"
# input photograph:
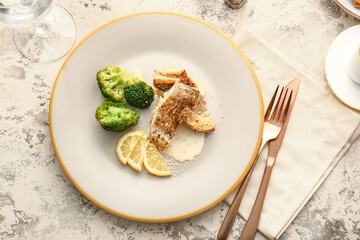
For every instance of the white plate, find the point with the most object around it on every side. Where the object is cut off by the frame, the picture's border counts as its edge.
(348, 6)
(337, 60)
(149, 41)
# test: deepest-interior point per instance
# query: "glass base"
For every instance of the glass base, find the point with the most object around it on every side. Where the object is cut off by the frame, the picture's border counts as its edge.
(50, 39)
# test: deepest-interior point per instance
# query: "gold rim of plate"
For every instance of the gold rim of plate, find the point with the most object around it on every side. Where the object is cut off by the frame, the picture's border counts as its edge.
(231, 188)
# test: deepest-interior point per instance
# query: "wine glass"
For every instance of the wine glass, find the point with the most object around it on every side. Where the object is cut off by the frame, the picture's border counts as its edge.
(43, 31)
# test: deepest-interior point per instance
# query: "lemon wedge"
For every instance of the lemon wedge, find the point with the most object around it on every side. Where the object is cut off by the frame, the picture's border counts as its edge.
(126, 144)
(154, 162)
(135, 159)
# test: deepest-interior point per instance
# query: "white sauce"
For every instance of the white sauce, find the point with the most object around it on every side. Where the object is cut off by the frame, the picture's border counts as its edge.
(186, 144)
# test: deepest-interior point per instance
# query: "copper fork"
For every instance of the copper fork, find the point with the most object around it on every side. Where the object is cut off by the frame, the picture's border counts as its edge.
(252, 223)
(274, 120)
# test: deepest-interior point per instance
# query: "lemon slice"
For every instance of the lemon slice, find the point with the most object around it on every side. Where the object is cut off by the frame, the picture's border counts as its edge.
(126, 144)
(154, 162)
(135, 159)
(134, 148)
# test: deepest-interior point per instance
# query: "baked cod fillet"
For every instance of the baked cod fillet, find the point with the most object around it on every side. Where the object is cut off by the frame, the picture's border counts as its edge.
(171, 110)
(165, 78)
(200, 118)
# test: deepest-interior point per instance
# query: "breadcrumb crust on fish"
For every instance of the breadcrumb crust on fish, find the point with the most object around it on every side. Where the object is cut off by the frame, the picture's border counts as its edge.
(170, 111)
(199, 119)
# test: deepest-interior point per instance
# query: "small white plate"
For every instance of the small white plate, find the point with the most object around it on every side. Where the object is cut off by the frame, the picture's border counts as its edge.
(149, 41)
(337, 60)
(348, 6)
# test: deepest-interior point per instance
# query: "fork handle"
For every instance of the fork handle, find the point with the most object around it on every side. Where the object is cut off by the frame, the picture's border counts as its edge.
(252, 223)
(230, 217)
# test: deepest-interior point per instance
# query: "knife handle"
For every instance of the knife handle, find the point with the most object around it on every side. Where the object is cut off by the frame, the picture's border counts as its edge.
(252, 223)
(230, 217)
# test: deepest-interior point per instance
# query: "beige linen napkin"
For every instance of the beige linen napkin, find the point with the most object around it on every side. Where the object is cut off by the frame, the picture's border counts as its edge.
(320, 130)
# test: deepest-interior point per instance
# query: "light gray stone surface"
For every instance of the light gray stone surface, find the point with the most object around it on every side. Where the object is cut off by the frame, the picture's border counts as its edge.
(37, 200)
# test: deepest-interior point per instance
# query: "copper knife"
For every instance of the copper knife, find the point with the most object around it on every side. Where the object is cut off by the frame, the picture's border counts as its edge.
(252, 223)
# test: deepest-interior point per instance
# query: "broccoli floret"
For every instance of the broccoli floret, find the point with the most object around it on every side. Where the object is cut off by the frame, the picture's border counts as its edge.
(137, 92)
(114, 116)
(111, 82)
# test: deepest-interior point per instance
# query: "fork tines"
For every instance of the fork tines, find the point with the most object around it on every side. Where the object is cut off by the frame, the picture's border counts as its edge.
(279, 112)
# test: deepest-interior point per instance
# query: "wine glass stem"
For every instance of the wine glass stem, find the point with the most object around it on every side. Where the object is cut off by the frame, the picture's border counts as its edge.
(42, 28)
